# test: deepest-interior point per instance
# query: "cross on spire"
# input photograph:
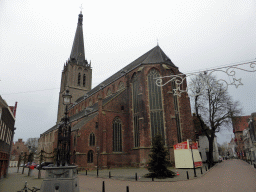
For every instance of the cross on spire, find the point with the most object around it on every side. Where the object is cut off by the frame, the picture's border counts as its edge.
(81, 7)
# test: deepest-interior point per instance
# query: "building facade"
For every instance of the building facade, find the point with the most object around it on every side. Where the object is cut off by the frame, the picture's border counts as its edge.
(240, 124)
(18, 148)
(113, 124)
(7, 120)
(232, 148)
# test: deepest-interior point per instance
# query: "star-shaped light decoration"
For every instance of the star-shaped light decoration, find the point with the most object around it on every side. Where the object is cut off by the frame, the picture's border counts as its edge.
(236, 82)
(177, 91)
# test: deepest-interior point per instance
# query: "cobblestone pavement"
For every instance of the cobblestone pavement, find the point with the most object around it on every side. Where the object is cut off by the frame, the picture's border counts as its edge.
(231, 175)
(129, 174)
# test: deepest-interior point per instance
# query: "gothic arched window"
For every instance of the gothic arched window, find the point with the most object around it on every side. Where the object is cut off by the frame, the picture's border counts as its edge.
(79, 79)
(92, 139)
(90, 157)
(176, 110)
(117, 135)
(135, 103)
(84, 80)
(155, 104)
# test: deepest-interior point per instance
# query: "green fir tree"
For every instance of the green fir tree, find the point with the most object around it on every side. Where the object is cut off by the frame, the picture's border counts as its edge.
(159, 163)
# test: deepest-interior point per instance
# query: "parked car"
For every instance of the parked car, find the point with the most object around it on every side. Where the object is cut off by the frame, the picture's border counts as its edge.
(43, 165)
(34, 165)
(28, 164)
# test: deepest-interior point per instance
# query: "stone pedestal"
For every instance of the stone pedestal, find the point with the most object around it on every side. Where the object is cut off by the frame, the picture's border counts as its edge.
(60, 179)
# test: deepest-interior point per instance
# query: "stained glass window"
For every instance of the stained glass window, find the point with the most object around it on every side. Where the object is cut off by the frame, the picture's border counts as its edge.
(117, 135)
(90, 157)
(155, 103)
(135, 101)
(176, 110)
(92, 139)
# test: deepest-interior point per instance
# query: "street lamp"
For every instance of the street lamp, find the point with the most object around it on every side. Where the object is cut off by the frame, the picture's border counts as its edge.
(98, 150)
(190, 144)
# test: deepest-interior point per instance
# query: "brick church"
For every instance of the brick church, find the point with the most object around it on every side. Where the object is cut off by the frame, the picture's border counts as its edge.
(118, 118)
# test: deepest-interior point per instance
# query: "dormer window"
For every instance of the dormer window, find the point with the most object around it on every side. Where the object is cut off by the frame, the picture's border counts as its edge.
(109, 92)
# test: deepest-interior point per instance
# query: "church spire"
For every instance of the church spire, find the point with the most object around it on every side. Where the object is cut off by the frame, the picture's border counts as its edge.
(77, 52)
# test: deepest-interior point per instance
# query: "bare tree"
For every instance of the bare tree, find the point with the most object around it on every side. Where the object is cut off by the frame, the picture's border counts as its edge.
(32, 144)
(213, 107)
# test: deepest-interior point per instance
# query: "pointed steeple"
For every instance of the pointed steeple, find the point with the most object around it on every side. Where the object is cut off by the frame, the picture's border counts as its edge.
(77, 52)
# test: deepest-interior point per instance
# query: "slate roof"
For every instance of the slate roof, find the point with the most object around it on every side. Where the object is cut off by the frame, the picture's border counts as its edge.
(154, 56)
(77, 52)
(84, 121)
(88, 113)
(240, 123)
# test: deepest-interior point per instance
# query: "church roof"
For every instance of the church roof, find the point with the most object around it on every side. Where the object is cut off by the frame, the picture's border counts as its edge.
(154, 56)
(77, 52)
(84, 121)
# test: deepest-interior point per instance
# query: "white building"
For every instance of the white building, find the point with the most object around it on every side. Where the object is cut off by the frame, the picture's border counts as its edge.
(203, 144)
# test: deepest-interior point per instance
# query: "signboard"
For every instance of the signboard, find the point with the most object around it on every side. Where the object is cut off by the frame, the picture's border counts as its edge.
(183, 155)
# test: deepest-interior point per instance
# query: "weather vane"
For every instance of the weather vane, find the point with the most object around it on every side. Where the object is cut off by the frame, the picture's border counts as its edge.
(81, 7)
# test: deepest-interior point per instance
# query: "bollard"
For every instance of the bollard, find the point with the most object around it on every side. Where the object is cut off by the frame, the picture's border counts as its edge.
(127, 188)
(85, 172)
(201, 170)
(152, 178)
(187, 175)
(23, 170)
(205, 168)
(109, 174)
(195, 172)
(136, 177)
(103, 186)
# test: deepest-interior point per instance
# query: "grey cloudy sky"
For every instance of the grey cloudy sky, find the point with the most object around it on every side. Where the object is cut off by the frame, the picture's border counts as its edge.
(36, 39)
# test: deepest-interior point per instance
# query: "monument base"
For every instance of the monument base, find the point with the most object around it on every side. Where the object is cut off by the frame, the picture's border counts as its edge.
(63, 178)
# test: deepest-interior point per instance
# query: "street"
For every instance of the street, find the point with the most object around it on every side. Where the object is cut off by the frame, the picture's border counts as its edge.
(230, 175)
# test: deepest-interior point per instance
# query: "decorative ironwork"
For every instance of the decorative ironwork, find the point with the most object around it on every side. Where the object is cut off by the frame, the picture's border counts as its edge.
(204, 77)
(64, 135)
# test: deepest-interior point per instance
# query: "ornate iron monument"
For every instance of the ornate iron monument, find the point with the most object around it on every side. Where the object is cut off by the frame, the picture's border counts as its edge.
(64, 135)
(62, 176)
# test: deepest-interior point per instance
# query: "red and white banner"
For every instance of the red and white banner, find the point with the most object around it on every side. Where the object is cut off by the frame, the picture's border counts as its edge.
(184, 145)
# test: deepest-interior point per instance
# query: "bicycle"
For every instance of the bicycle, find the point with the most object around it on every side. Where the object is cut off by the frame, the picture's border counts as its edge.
(26, 189)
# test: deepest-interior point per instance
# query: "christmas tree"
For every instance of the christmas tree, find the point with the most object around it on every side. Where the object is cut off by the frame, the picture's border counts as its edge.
(158, 164)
